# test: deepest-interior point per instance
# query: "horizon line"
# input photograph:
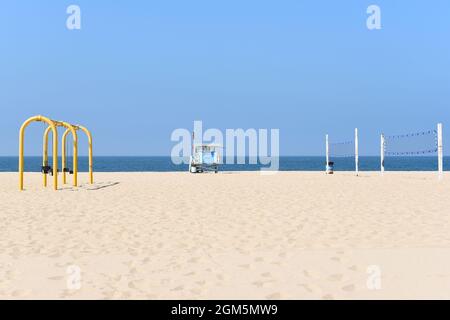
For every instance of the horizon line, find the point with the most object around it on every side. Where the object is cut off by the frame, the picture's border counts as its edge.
(168, 156)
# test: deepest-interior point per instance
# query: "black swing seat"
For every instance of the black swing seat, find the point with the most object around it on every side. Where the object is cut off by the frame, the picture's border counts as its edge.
(46, 170)
(68, 170)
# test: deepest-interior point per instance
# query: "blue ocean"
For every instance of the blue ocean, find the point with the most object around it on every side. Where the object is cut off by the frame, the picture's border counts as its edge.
(287, 163)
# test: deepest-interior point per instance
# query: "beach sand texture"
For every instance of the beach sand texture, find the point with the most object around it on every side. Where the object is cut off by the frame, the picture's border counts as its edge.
(292, 235)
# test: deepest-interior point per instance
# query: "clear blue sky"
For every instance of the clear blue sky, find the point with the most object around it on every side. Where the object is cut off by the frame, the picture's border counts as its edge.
(139, 69)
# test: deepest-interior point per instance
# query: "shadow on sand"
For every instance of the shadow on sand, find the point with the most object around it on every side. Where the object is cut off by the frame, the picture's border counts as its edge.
(90, 187)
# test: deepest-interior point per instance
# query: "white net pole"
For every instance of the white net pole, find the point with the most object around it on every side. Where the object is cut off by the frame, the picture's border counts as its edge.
(327, 152)
(382, 153)
(356, 152)
(343, 149)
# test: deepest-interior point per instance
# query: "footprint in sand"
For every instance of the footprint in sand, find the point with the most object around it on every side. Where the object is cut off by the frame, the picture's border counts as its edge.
(349, 288)
(258, 284)
(336, 277)
(179, 288)
(133, 271)
(310, 274)
(197, 291)
(108, 295)
(274, 296)
(335, 259)
(222, 277)
(146, 260)
(306, 287)
(193, 260)
(55, 255)
(353, 268)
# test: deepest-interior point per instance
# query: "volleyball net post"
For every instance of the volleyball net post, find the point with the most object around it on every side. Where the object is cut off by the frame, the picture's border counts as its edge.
(356, 152)
(440, 150)
(327, 153)
(382, 153)
(342, 149)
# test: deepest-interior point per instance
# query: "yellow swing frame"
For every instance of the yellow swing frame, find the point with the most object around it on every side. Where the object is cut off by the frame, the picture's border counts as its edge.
(53, 127)
(71, 129)
(90, 155)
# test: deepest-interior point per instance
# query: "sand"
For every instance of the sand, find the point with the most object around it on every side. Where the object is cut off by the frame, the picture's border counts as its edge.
(292, 235)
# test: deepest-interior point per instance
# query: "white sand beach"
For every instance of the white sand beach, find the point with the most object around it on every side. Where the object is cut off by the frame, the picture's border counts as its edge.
(292, 235)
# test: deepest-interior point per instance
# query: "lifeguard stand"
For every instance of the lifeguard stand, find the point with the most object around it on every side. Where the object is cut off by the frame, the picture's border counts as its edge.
(204, 158)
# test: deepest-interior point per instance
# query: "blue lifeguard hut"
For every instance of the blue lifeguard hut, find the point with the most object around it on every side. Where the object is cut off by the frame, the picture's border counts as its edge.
(204, 158)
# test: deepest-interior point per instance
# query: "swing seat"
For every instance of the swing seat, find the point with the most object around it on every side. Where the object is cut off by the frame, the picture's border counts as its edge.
(46, 170)
(67, 170)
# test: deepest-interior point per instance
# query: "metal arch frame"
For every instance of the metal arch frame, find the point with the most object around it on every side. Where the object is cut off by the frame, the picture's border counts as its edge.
(73, 130)
(89, 136)
(53, 128)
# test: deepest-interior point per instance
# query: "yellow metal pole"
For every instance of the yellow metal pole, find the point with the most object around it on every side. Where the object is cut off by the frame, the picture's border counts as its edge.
(45, 152)
(91, 160)
(72, 129)
(55, 158)
(63, 156)
(21, 148)
(75, 151)
(21, 142)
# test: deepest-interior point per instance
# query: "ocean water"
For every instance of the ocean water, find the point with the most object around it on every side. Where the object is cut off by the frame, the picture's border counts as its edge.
(164, 164)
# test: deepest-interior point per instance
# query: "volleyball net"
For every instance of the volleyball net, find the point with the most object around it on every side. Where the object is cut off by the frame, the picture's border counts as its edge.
(345, 149)
(341, 149)
(413, 144)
